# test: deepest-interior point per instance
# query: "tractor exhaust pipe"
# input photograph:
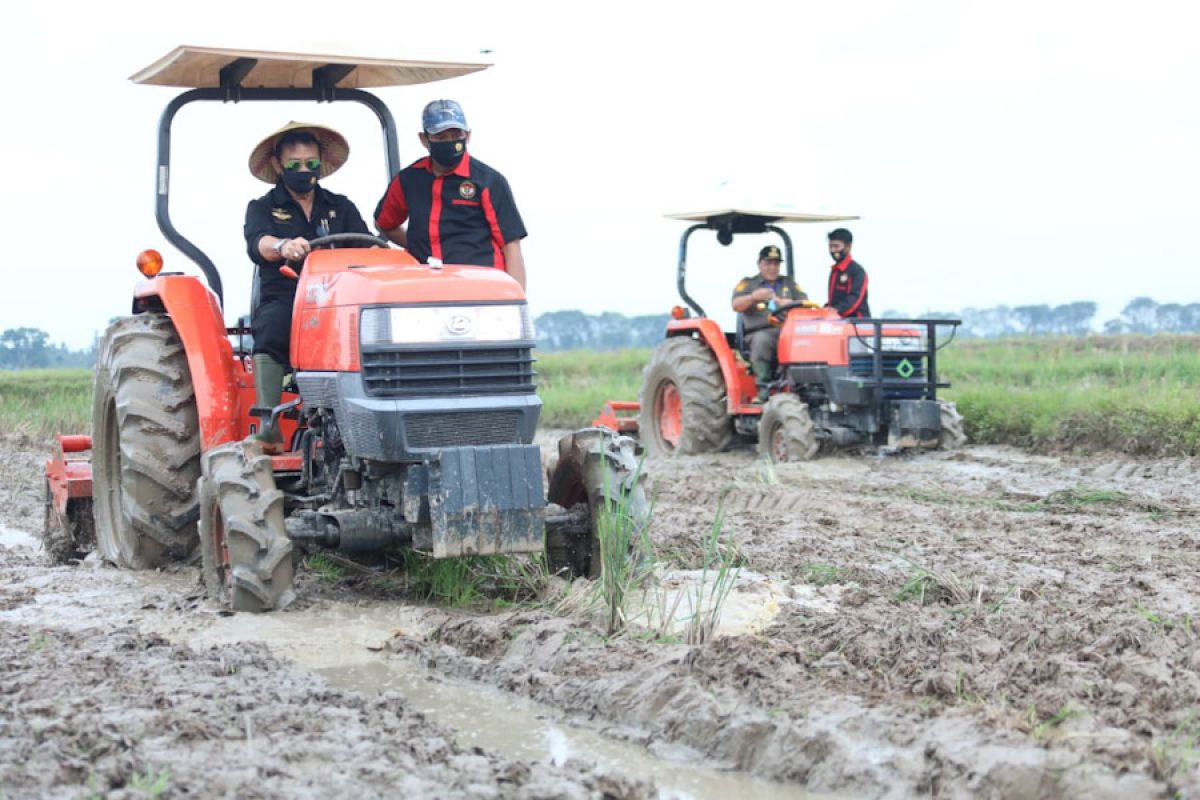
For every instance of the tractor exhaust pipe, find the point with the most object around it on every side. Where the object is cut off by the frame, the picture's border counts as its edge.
(353, 531)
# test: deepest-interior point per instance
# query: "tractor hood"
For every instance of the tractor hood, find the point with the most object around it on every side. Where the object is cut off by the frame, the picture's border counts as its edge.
(337, 286)
(334, 278)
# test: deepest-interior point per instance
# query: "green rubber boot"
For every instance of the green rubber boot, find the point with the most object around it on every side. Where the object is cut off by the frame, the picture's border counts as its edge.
(268, 391)
(763, 374)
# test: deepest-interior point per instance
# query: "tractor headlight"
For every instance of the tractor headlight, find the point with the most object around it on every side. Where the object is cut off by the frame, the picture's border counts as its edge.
(445, 324)
(865, 344)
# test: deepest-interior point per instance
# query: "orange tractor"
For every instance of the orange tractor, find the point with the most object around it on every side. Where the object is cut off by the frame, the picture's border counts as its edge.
(410, 419)
(839, 382)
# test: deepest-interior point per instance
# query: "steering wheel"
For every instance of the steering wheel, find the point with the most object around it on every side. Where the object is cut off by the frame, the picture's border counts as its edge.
(341, 238)
(780, 314)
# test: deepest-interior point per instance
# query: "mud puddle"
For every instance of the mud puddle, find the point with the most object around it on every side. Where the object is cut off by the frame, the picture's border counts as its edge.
(522, 729)
(343, 644)
(11, 537)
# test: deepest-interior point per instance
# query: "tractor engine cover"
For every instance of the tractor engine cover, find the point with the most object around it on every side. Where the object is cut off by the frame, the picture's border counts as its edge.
(915, 423)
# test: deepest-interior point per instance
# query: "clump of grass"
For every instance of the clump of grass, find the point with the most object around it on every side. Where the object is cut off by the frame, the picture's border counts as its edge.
(1043, 731)
(325, 567)
(626, 556)
(153, 784)
(465, 581)
(717, 579)
(821, 574)
(1177, 752)
(930, 586)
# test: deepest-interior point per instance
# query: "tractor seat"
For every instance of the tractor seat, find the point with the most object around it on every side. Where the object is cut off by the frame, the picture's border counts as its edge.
(739, 340)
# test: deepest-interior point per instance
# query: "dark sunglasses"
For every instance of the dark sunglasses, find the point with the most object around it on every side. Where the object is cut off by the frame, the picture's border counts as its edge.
(293, 165)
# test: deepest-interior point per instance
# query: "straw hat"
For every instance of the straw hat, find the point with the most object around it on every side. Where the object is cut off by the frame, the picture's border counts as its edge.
(334, 151)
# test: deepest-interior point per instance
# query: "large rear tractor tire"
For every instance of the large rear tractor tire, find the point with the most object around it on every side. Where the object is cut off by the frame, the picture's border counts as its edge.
(786, 431)
(245, 554)
(145, 445)
(684, 400)
(953, 435)
(597, 470)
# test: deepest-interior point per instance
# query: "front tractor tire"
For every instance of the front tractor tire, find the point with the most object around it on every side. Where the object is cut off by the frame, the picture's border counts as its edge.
(786, 431)
(597, 476)
(145, 445)
(683, 401)
(953, 435)
(245, 554)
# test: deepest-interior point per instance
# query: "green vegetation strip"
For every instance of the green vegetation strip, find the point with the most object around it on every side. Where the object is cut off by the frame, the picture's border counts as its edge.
(42, 402)
(1137, 394)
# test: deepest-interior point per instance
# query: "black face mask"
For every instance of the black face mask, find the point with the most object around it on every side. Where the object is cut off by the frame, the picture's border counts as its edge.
(837, 256)
(448, 154)
(300, 182)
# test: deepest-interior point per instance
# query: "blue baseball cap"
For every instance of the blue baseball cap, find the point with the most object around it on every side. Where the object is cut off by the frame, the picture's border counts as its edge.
(442, 115)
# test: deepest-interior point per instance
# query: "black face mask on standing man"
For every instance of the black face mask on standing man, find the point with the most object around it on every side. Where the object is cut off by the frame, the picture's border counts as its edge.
(448, 154)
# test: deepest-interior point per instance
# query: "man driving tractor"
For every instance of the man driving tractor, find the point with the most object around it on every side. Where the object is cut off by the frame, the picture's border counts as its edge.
(754, 298)
(278, 228)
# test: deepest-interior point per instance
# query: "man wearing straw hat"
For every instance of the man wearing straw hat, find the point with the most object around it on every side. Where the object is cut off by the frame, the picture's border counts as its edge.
(279, 227)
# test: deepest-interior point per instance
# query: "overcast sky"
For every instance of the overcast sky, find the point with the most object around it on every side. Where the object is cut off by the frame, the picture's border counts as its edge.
(1008, 152)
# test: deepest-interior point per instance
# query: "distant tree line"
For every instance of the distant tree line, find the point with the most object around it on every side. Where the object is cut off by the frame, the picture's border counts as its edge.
(1140, 315)
(30, 348)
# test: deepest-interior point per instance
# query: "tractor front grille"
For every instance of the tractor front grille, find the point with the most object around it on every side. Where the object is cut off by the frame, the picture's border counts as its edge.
(463, 429)
(863, 366)
(431, 373)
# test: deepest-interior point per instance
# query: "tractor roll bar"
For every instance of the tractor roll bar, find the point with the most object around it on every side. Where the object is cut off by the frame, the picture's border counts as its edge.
(725, 231)
(322, 91)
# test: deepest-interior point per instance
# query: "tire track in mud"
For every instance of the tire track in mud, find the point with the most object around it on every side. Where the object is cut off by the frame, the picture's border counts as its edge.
(1079, 610)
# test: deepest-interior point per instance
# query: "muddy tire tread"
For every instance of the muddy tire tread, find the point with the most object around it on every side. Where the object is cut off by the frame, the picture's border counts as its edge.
(694, 370)
(239, 490)
(953, 435)
(142, 373)
(791, 413)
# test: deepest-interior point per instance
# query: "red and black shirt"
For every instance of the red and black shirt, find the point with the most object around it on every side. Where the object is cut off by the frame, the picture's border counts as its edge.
(848, 289)
(464, 216)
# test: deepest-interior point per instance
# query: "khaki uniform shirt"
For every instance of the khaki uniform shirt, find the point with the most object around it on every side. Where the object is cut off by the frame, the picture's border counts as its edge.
(756, 316)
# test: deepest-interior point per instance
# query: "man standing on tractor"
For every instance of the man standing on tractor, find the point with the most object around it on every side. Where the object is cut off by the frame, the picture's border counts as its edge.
(754, 298)
(279, 226)
(459, 210)
(847, 279)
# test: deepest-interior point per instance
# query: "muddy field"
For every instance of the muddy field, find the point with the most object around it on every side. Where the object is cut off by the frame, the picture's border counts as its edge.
(983, 623)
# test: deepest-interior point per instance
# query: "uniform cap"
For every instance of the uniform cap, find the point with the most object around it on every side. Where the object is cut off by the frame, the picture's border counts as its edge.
(442, 115)
(334, 151)
(770, 252)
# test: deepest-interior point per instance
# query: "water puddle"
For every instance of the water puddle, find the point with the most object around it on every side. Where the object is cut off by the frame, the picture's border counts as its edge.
(522, 729)
(748, 605)
(11, 537)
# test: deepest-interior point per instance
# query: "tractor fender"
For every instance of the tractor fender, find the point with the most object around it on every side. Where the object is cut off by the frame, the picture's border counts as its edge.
(197, 317)
(739, 384)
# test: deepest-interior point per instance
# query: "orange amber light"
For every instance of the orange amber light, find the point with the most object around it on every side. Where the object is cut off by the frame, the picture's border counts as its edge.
(678, 312)
(149, 263)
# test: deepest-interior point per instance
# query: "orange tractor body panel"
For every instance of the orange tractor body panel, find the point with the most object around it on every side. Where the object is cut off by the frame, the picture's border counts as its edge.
(739, 383)
(197, 318)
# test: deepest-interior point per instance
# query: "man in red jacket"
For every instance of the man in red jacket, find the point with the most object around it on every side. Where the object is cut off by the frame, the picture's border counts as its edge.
(847, 279)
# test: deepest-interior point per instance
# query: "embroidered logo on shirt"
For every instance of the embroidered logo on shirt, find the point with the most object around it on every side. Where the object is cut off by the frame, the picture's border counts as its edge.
(281, 214)
(467, 190)
(741, 286)
(844, 277)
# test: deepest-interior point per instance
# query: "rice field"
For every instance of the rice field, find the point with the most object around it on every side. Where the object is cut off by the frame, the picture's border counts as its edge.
(1137, 394)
